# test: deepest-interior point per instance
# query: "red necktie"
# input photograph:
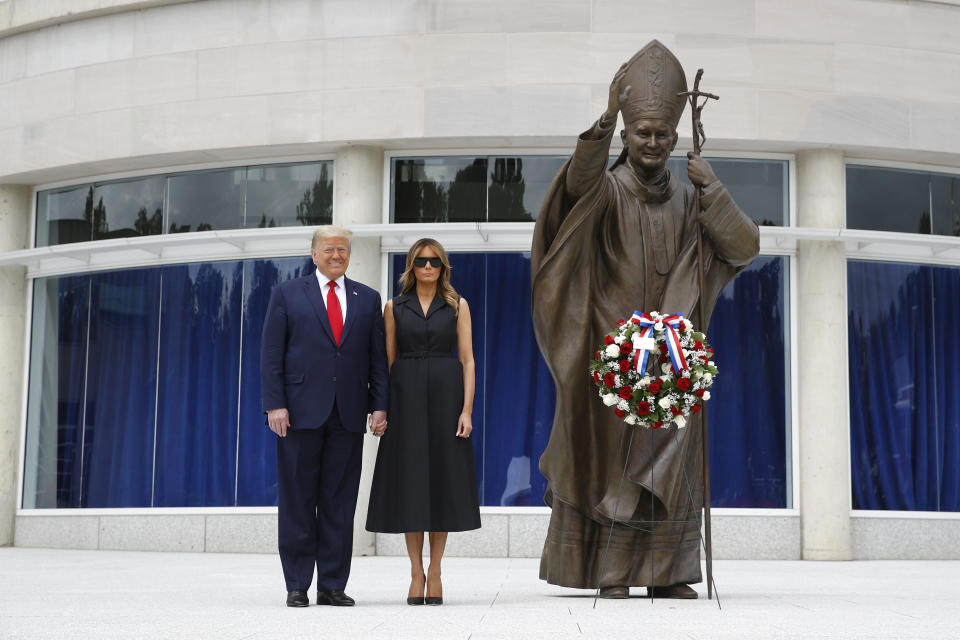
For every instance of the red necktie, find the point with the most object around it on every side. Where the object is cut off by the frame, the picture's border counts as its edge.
(334, 313)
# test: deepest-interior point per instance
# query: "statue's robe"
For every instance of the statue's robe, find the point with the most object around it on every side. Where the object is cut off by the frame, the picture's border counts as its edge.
(605, 245)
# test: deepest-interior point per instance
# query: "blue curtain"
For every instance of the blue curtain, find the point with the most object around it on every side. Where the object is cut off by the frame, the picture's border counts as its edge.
(518, 398)
(748, 407)
(121, 389)
(904, 430)
(257, 449)
(203, 458)
(199, 374)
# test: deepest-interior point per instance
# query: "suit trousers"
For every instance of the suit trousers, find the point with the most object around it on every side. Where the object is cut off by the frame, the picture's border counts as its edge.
(318, 477)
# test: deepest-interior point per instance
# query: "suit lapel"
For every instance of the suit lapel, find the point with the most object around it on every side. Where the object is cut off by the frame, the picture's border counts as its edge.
(353, 301)
(315, 296)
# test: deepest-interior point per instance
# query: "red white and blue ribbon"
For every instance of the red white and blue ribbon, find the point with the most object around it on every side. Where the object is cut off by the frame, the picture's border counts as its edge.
(640, 355)
(670, 325)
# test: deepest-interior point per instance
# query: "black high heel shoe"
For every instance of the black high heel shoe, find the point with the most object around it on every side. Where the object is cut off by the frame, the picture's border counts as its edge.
(417, 600)
(434, 600)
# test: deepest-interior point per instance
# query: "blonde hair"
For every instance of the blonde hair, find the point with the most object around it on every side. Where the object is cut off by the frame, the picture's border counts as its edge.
(327, 231)
(408, 281)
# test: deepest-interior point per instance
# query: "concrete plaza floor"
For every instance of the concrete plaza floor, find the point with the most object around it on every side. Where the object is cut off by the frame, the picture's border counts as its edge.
(48, 593)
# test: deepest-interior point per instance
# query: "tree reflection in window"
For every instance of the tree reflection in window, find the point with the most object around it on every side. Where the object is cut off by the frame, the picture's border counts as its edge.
(243, 197)
(289, 195)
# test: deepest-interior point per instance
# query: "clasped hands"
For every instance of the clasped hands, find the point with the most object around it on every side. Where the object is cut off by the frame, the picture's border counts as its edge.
(279, 421)
(378, 423)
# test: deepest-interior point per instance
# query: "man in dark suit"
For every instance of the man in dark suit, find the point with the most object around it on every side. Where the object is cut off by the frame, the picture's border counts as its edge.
(323, 368)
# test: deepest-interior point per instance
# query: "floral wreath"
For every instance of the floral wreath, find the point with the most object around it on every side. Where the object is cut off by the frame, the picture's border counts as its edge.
(685, 360)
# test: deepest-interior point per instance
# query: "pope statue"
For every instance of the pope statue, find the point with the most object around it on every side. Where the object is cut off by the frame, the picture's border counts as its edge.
(609, 241)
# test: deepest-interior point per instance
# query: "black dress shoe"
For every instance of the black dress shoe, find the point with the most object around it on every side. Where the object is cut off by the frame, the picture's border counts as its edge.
(335, 597)
(414, 600)
(433, 600)
(298, 598)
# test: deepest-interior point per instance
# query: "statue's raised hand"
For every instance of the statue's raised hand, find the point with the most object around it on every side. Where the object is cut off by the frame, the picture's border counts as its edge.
(618, 94)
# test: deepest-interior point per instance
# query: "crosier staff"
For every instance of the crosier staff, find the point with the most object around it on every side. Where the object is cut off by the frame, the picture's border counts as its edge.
(698, 139)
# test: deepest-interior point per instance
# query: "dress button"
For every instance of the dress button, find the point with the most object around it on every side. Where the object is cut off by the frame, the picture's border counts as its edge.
(334, 378)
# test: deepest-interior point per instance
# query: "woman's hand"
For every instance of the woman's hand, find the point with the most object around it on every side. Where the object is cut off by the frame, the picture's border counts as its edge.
(464, 425)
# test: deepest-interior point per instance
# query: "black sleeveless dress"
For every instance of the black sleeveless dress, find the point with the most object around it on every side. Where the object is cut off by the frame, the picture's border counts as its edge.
(425, 478)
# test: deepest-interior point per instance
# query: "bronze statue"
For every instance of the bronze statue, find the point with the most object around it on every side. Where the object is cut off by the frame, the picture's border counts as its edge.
(608, 241)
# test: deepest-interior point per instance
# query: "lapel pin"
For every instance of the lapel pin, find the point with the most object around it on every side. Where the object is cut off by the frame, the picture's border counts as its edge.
(355, 293)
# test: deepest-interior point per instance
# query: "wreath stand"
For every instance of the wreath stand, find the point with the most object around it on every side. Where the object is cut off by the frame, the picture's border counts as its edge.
(649, 525)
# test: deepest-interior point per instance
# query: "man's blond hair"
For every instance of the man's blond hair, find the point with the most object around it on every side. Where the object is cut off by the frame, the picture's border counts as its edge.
(328, 231)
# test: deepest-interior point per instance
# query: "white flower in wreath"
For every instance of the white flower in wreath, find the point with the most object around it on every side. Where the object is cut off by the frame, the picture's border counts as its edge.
(644, 382)
(680, 421)
(609, 399)
(612, 351)
(619, 339)
(630, 419)
(707, 378)
(666, 368)
(623, 405)
(706, 395)
(665, 402)
(658, 326)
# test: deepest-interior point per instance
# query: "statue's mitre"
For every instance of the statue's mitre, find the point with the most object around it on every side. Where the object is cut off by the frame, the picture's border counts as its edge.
(655, 78)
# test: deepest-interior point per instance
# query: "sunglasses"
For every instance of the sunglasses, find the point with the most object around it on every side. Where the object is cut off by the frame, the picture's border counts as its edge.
(420, 263)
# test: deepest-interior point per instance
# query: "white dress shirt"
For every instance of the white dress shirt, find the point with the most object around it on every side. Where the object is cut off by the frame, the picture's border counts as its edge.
(341, 291)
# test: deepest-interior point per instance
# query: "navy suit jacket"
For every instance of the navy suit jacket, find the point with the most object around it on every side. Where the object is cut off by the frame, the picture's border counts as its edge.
(303, 369)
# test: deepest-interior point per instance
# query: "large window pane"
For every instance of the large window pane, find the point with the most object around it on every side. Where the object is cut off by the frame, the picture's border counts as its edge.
(904, 429)
(257, 448)
(58, 357)
(518, 398)
(888, 199)
(759, 187)
(518, 186)
(64, 216)
(121, 389)
(206, 200)
(289, 195)
(749, 426)
(447, 189)
(128, 208)
(199, 376)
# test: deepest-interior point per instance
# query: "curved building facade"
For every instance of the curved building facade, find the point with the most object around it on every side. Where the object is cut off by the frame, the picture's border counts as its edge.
(163, 165)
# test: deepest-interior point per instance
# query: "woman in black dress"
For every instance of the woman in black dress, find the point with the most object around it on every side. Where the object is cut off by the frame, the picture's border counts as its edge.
(425, 479)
